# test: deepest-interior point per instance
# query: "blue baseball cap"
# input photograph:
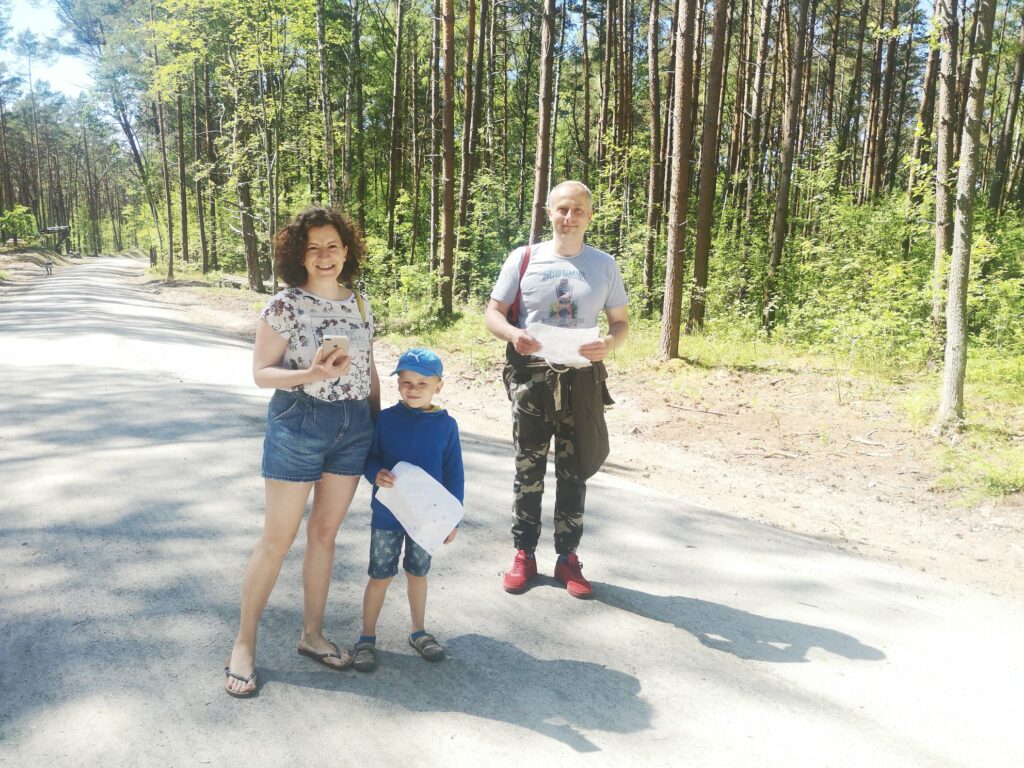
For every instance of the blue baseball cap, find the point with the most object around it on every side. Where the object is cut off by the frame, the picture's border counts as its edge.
(420, 360)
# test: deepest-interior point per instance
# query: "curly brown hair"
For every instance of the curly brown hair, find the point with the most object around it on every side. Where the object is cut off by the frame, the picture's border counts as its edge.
(290, 246)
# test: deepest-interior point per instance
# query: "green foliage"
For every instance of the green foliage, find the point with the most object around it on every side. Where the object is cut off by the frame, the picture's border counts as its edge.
(18, 223)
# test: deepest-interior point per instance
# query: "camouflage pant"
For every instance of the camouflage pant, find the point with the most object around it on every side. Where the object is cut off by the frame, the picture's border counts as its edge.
(533, 426)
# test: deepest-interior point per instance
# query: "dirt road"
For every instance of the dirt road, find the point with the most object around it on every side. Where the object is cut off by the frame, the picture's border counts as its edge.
(131, 498)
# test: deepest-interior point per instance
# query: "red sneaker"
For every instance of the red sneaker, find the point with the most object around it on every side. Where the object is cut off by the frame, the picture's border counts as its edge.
(570, 573)
(524, 568)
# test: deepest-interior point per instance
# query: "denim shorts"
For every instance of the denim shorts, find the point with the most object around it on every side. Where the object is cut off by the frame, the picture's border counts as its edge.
(385, 547)
(307, 436)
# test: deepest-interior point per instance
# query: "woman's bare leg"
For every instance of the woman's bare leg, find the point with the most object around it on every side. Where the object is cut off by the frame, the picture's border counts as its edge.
(331, 499)
(285, 504)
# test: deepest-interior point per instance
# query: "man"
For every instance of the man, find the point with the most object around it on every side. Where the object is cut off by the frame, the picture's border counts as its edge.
(562, 283)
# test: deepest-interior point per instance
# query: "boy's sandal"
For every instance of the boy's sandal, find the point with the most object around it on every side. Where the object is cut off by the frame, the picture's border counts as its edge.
(365, 659)
(346, 660)
(428, 647)
(246, 694)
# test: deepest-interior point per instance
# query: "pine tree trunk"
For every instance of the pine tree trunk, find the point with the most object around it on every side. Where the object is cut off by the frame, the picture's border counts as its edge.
(435, 134)
(739, 111)
(951, 405)
(469, 92)
(874, 98)
(968, 42)
(211, 158)
(1001, 167)
(878, 160)
(325, 105)
(197, 145)
(654, 179)
(159, 110)
(833, 57)
(671, 312)
(925, 119)
(6, 186)
(584, 22)
(545, 97)
(182, 179)
(756, 99)
(395, 132)
(356, 86)
(708, 170)
(851, 115)
(946, 13)
(448, 153)
(791, 128)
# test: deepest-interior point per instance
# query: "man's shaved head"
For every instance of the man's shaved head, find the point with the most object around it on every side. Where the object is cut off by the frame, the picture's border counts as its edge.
(570, 187)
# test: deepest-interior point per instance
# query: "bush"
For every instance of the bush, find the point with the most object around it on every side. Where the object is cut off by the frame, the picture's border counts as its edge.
(18, 223)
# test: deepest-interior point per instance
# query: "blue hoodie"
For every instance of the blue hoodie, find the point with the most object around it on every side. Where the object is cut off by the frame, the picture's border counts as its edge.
(428, 439)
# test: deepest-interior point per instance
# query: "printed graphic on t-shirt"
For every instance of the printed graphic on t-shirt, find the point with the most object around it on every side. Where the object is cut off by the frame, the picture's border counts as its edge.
(563, 310)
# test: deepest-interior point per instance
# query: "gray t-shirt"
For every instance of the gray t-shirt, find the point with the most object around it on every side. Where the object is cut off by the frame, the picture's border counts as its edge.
(560, 291)
(304, 319)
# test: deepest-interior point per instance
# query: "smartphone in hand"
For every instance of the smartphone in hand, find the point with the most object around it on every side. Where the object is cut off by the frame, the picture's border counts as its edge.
(332, 343)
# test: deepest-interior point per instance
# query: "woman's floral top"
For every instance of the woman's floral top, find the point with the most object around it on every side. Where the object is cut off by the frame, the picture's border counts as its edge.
(304, 319)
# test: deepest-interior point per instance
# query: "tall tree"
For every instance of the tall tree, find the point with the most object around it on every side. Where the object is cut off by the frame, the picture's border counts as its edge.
(182, 178)
(951, 404)
(395, 141)
(545, 99)
(946, 15)
(325, 104)
(851, 114)
(925, 112)
(1002, 162)
(668, 345)
(448, 156)
(780, 226)
(708, 171)
(656, 170)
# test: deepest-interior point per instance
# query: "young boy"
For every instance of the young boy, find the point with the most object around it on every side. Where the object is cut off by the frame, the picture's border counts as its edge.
(420, 433)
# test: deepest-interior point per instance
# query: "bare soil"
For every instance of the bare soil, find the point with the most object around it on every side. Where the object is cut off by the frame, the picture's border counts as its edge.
(820, 455)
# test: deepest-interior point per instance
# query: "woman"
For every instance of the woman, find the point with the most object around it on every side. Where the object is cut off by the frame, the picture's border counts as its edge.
(319, 425)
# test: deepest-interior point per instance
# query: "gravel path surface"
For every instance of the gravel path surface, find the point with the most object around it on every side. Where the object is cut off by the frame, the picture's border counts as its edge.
(129, 453)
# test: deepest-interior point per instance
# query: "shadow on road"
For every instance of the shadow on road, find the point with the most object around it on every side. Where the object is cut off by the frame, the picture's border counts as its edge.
(494, 680)
(743, 634)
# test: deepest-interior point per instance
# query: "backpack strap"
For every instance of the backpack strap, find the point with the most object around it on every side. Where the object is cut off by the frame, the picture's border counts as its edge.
(513, 310)
(361, 305)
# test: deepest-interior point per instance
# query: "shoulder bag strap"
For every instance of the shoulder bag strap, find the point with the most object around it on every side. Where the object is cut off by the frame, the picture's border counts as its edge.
(513, 310)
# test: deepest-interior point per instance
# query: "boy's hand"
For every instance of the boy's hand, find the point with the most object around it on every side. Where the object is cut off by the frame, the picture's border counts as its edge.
(384, 479)
(451, 536)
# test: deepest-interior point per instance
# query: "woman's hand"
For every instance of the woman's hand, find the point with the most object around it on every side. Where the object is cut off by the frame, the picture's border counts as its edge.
(333, 366)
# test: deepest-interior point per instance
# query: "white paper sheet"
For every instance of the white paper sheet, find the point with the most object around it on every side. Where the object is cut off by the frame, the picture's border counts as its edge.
(423, 506)
(562, 345)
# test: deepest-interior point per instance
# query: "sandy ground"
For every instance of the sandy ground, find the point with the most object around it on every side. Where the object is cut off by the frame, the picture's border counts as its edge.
(824, 456)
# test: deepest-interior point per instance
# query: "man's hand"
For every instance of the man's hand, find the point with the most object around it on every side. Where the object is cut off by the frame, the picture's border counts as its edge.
(523, 342)
(384, 479)
(498, 324)
(451, 536)
(595, 351)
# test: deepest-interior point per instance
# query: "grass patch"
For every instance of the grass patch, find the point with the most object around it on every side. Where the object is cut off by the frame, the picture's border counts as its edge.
(986, 459)
(465, 335)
